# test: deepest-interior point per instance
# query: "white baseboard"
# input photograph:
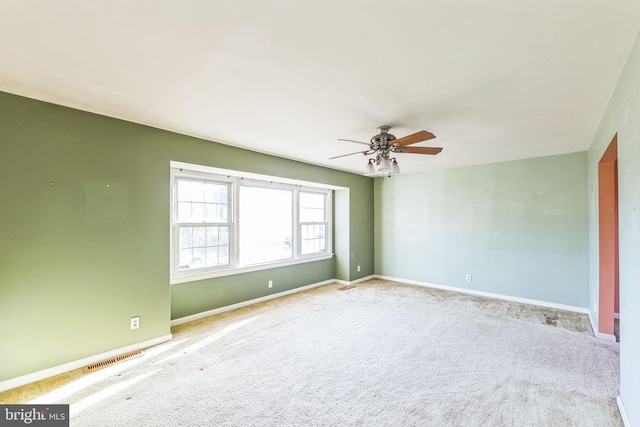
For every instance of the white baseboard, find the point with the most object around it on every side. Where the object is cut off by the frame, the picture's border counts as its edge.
(623, 412)
(215, 311)
(594, 327)
(362, 279)
(491, 295)
(76, 364)
(600, 335)
(353, 282)
(606, 337)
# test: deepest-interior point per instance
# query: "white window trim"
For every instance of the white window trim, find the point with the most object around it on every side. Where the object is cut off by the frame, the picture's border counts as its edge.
(186, 170)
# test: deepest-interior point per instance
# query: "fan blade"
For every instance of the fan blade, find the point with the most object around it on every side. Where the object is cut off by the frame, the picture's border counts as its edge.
(423, 135)
(422, 150)
(350, 154)
(351, 140)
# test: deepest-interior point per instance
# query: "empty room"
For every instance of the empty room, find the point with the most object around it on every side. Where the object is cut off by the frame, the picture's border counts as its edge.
(320, 213)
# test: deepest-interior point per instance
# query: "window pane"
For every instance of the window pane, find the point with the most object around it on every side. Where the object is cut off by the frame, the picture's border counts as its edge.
(184, 190)
(223, 236)
(212, 236)
(185, 258)
(266, 224)
(197, 191)
(203, 247)
(215, 212)
(184, 211)
(221, 194)
(223, 255)
(313, 238)
(197, 212)
(202, 201)
(216, 193)
(312, 207)
(312, 200)
(212, 256)
(199, 237)
(186, 237)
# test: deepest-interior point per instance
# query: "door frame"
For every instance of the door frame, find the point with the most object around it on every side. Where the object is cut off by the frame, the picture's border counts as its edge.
(608, 250)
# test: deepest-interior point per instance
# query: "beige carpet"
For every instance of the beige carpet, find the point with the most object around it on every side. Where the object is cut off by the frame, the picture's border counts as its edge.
(379, 354)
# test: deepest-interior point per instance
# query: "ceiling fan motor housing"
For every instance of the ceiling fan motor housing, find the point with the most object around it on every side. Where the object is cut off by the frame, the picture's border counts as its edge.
(383, 139)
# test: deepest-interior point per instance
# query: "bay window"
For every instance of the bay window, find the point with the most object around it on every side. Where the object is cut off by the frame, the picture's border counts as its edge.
(225, 224)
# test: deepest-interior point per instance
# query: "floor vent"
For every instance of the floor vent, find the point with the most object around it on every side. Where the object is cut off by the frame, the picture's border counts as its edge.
(344, 288)
(112, 361)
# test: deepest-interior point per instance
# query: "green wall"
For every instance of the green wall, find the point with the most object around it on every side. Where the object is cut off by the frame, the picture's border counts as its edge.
(200, 296)
(78, 258)
(519, 228)
(622, 117)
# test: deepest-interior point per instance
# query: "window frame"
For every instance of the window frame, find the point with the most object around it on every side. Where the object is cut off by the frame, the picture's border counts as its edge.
(327, 221)
(176, 175)
(235, 180)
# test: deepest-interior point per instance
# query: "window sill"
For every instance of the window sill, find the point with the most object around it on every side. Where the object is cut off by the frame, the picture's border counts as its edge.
(192, 277)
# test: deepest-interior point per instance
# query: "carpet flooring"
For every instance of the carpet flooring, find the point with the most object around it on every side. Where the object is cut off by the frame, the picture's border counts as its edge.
(378, 354)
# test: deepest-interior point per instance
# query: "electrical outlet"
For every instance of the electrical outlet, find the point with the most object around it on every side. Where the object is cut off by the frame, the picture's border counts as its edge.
(469, 277)
(358, 269)
(270, 283)
(135, 322)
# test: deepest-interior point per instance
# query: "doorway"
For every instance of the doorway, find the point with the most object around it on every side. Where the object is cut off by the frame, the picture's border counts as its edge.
(609, 283)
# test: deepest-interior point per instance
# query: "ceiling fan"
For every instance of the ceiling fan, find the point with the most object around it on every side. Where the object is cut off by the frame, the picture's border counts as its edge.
(384, 144)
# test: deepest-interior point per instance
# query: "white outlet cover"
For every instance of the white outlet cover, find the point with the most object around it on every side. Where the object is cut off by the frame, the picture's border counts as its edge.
(135, 322)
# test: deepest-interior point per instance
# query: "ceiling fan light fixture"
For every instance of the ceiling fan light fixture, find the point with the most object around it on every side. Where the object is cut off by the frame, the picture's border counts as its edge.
(385, 165)
(395, 168)
(369, 169)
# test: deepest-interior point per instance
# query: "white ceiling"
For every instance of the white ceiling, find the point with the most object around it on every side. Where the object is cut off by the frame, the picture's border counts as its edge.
(493, 80)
